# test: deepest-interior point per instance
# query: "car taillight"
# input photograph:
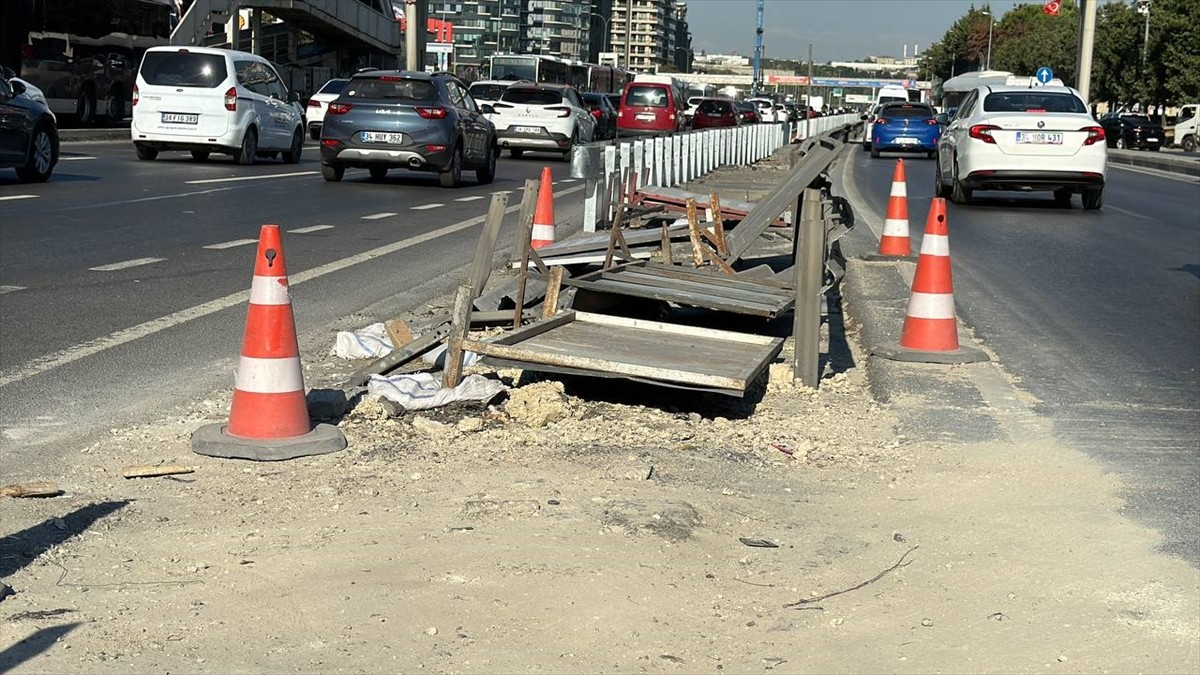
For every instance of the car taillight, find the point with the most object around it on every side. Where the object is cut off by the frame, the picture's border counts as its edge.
(432, 113)
(330, 142)
(314, 104)
(435, 148)
(597, 113)
(621, 111)
(983, 132)
(562, 112)
(1094, 135)
(134, 96)
(931, 120)
(231, 99)
(338, 109)
(880, 120)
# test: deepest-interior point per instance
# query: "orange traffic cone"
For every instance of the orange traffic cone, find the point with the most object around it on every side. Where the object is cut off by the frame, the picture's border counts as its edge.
(930, 332)
(269, 416)
(895, 242)
(543, 215)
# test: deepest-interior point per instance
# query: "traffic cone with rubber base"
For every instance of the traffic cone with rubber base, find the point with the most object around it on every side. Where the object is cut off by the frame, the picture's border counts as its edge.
(543, 215)
(894, 244)
(268, 420)
(930, 333)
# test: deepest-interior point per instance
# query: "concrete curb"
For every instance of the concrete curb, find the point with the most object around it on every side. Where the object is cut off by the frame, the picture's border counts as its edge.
(110, 135)
(1146, 160)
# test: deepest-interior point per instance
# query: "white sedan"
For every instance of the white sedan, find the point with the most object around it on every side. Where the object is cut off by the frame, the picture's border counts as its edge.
(1024, 138)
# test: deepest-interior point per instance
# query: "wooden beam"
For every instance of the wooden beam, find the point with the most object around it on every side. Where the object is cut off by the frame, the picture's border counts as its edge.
(481, 266)
(460, 324)
(553, 287)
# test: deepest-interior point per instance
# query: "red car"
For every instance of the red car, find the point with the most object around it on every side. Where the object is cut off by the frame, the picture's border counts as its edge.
(715, 112)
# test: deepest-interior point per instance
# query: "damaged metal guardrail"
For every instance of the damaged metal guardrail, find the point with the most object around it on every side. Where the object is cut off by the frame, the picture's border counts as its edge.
(666, 161)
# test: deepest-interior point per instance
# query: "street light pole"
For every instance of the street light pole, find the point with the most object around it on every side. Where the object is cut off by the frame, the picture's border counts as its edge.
(991, 24)
(628, 30)
(1143, 7)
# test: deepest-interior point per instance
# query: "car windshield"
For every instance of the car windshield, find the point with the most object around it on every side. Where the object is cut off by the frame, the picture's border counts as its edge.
(391, 88)
(1138, 120)
(488, 92)
(183, 69)
(907, 111)
(594, 99)
(531, 96)
(651, 97)
(719, 107)
(333, 87)
(1032, 101)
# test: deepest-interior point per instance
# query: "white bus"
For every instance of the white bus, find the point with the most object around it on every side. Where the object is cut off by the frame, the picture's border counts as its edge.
(955, 89)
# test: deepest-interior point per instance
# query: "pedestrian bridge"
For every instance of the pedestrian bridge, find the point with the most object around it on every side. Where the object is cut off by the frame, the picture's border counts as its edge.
(369, 23)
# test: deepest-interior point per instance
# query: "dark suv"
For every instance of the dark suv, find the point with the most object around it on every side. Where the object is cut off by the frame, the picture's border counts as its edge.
(387, 119)
(1127, 130)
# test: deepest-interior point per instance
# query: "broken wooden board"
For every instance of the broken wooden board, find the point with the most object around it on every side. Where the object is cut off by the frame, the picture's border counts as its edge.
(708, 289)
(675, 200)
(651, 351)
(593, 244)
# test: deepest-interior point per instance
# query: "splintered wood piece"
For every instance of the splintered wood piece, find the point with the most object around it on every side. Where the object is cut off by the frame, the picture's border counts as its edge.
(398, 332)
(460, 323)
(26, 490)
(694, 233)
(717, 261)
(553, 287)
(666, 244)
(155, 471)
(714, 202)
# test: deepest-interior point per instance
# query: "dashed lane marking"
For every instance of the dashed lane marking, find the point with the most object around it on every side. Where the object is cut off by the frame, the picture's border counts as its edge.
(306, 230)
(137, 262)
(469, 199)
(63, 357)
(10, 289)
(426, 207)
(377, 216)
(231, 244)
(244, 178)
(10, 198)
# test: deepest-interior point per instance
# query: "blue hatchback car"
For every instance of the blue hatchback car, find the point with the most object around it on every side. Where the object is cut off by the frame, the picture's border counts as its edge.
(905, 127)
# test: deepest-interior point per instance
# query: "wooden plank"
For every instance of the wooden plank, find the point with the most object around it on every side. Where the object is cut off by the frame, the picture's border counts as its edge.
(389, 362)
(155, 471)
(672, 329)
(553, 287)
(398, 332)
(616, 287)
(481, 266)
(714, 201)
(497, 362)
(536, 328)
(528, 204)
(640, 348)
(665, 243)
(460, 324)
(646, 277)
(760, 284)
(26, 490)
(694, 233)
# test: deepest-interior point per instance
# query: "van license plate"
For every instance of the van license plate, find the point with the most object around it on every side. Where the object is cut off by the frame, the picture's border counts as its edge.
(645, 117)
(180, 118)
(381, 137)
(1039, 137)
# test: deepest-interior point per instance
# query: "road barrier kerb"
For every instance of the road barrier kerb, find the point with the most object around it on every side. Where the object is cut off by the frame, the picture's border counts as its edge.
(1187, 167)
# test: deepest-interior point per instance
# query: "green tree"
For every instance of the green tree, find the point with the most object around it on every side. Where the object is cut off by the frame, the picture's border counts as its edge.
(1116, 57)
(1026, 39)
(1175, 50)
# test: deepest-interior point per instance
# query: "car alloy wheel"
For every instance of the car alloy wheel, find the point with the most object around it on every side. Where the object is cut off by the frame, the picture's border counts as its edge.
(41, 158)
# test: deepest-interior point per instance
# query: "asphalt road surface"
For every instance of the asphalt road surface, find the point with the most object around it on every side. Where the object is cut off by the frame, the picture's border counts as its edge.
(1096, 313)
(123, 283)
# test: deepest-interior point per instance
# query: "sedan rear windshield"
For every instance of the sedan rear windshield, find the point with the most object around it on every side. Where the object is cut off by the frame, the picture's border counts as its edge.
(334, 87)
(488, 92)
(390, 88)
(721, 107)
(530, 96)
(184, 69)
(1033, 101)
(909, 111)
(646, 96)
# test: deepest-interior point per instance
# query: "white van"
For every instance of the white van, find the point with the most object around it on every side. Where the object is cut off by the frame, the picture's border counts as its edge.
(214, 100)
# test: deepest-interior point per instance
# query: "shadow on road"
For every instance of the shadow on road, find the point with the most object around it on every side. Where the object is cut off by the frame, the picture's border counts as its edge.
(20, 548)
(33, 645)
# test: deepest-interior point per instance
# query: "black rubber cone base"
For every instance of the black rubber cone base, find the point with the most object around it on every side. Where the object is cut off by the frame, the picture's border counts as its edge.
(961, 355)
(877, 257)
(213, 441)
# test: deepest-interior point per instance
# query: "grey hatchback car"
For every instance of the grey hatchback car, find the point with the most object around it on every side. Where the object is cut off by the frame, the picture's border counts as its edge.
(387, 119)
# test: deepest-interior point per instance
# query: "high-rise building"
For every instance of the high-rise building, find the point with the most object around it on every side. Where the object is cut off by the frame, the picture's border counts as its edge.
(658, 34)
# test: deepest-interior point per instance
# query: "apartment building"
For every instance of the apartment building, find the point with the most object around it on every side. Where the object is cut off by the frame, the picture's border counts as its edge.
(657, 34)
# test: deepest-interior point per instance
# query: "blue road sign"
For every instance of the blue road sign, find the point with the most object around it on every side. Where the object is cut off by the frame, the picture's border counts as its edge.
(1044, 74)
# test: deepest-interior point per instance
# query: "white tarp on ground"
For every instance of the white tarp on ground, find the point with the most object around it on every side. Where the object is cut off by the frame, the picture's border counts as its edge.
(421, 391)
(371, 342)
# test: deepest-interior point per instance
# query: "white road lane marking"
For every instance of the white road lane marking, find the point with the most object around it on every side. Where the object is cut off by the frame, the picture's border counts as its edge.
(10, 198)
(137, 262)
(74, 159)
(10, 289)
(138, 201)
(1181, 177)
(242, 178)
(377, 216)
(231, 244)
(426, 207)
(469, 199)
(116, 339)
(306, 230)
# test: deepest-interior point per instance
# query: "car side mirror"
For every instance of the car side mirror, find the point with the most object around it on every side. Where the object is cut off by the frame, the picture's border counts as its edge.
(863, 117)
(293, 97)
(943, 119)
(487, 109)
(18, 88)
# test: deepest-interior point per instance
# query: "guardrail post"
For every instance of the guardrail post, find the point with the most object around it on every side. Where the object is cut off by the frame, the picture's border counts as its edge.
(659, 176)
(591, 203)
(610, 175)
(809, 271)
(626, 151)
(677, 163)
(639, 162)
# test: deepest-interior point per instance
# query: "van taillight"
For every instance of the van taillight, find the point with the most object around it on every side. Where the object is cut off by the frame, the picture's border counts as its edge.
(134, 96)
(231, 99)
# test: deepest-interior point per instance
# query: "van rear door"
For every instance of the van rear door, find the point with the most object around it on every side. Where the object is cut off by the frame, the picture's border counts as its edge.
(648, 108)
(179, 92)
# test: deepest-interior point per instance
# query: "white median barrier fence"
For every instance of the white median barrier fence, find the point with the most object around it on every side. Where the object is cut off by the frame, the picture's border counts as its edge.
(667, 161)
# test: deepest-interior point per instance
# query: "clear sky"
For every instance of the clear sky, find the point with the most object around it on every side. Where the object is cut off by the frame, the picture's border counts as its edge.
(839, 30)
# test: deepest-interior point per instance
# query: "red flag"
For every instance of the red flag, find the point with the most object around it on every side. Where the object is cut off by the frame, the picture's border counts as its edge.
(1051, 8)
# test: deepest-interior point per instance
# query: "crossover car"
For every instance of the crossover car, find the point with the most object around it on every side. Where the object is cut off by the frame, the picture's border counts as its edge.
(390, 119)
(28, 134)
(905, 127)
(604, 112)
(715, 112)
(747, 112)
(549, 117)
(208, 100)
(1010, 137)
(319, 103)
(868, 120)
(1132, 131)
(766, 110)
